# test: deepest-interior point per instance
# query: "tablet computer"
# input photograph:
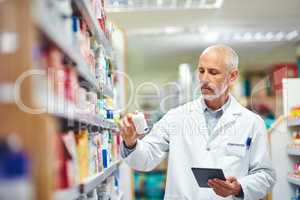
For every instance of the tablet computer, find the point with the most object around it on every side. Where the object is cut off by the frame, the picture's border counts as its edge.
(202, 175)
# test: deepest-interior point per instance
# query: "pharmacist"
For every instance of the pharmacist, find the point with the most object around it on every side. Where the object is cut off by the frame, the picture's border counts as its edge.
(214, 131)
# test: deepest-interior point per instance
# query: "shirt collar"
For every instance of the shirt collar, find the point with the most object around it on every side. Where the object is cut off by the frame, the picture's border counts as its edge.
(222, 109)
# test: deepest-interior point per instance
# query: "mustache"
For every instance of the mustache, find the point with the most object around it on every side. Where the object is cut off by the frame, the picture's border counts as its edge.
(206, 86)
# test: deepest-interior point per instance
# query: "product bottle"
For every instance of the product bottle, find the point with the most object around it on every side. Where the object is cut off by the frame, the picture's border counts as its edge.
(15, 182)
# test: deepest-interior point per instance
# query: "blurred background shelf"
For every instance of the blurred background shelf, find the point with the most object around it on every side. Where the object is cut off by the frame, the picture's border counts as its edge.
(293, 122)
(293, 151)
(67, 194)
(293, 179)
(87, 13)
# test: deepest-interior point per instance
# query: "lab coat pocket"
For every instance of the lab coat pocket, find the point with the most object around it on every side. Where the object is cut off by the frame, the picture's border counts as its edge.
(235, 149)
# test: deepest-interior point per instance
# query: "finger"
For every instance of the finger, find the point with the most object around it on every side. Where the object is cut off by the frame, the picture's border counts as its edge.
(126, 121)
(231, 179)
(220, 193)
(218, 186)
(218, 189)
(224, 184)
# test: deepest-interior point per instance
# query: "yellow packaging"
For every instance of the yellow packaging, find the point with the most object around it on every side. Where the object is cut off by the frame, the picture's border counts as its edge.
(82, 148)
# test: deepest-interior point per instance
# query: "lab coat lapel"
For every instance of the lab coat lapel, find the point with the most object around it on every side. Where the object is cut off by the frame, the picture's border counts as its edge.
(197, 113)
(230, 115)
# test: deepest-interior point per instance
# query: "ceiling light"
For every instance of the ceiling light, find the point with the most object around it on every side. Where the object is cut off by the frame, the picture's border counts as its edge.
(237, 36)
(211, 36)
(292, 35)
(258, 36)
(269, 35)
(279, 36)
(248, 36)
(203, 29)
(172, 30)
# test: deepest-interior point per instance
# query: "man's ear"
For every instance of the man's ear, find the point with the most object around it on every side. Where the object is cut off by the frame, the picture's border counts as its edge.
(234, 74)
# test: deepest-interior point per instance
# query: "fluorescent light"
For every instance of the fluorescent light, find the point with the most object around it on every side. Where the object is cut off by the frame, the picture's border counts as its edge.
(237, 36)
(280, 35)
(203, 29)
(269, 35)
(258, 36)
(292, 35)
(172, 30)
(130, 5)
(211, 36)
(248, 36)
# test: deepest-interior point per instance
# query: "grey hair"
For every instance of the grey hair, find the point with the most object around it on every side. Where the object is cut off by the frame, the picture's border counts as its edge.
(231, 57)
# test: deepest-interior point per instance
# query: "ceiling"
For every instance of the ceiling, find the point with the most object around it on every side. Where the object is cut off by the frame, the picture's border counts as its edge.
(161, 39)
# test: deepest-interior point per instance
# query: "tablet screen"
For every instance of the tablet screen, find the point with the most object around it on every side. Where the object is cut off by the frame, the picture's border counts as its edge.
(202, 175)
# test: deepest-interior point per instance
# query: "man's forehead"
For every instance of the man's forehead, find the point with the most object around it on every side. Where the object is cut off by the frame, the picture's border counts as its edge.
(212, 57)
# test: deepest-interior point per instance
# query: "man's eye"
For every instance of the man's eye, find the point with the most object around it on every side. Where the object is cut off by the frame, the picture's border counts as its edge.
(213, 72)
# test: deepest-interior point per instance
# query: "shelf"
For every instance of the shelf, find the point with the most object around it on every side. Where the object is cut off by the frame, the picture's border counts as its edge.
(88, 185)
(91, 183)
(93, 24)
(67, 194)
(107, 91)
(46, 26)
(293, 151)
(74, 55)
(293, 122)
(68, 110)
(293, 179)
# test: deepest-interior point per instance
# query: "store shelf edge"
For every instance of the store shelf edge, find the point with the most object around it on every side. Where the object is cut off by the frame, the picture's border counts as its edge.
(293, 151)
(60, 111)
(293, 180)
(95, 181)
(293, 122)
(69, 194)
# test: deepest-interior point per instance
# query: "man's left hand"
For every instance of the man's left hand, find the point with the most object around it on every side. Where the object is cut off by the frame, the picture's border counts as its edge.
(225, 188)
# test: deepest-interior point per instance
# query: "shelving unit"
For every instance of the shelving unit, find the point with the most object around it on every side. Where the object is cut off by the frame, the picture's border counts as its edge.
(284, 153)
(69, 111)
(293, 122)
(293, 151)
(293, 179)
(70, 194)
(93, 24)
(92, 182)
(88, 185)
(50, 30)
(29, 20)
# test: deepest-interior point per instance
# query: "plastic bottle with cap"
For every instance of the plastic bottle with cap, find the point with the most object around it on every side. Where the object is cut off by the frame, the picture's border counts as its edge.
(140, 123)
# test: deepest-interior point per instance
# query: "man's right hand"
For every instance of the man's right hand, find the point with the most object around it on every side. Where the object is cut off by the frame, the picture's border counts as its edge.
(128, 132)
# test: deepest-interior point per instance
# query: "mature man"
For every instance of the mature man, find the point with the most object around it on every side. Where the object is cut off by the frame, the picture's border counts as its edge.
(214, 131)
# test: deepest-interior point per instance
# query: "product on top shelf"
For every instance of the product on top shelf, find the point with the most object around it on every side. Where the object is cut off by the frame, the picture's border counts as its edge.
(65, 12)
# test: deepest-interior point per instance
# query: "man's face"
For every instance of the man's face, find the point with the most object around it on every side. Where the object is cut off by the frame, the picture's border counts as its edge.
(214, 75)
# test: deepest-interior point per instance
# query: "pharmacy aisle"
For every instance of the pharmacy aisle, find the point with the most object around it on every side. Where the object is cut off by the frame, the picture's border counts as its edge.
(59, 96)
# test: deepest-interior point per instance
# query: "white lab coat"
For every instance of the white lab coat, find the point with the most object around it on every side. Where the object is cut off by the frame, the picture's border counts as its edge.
(182, 136)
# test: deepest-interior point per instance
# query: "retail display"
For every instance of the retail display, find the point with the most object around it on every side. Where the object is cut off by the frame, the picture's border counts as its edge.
(72, 144)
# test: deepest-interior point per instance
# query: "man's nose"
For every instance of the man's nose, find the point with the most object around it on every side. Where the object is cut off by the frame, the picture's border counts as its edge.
(204, 78)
